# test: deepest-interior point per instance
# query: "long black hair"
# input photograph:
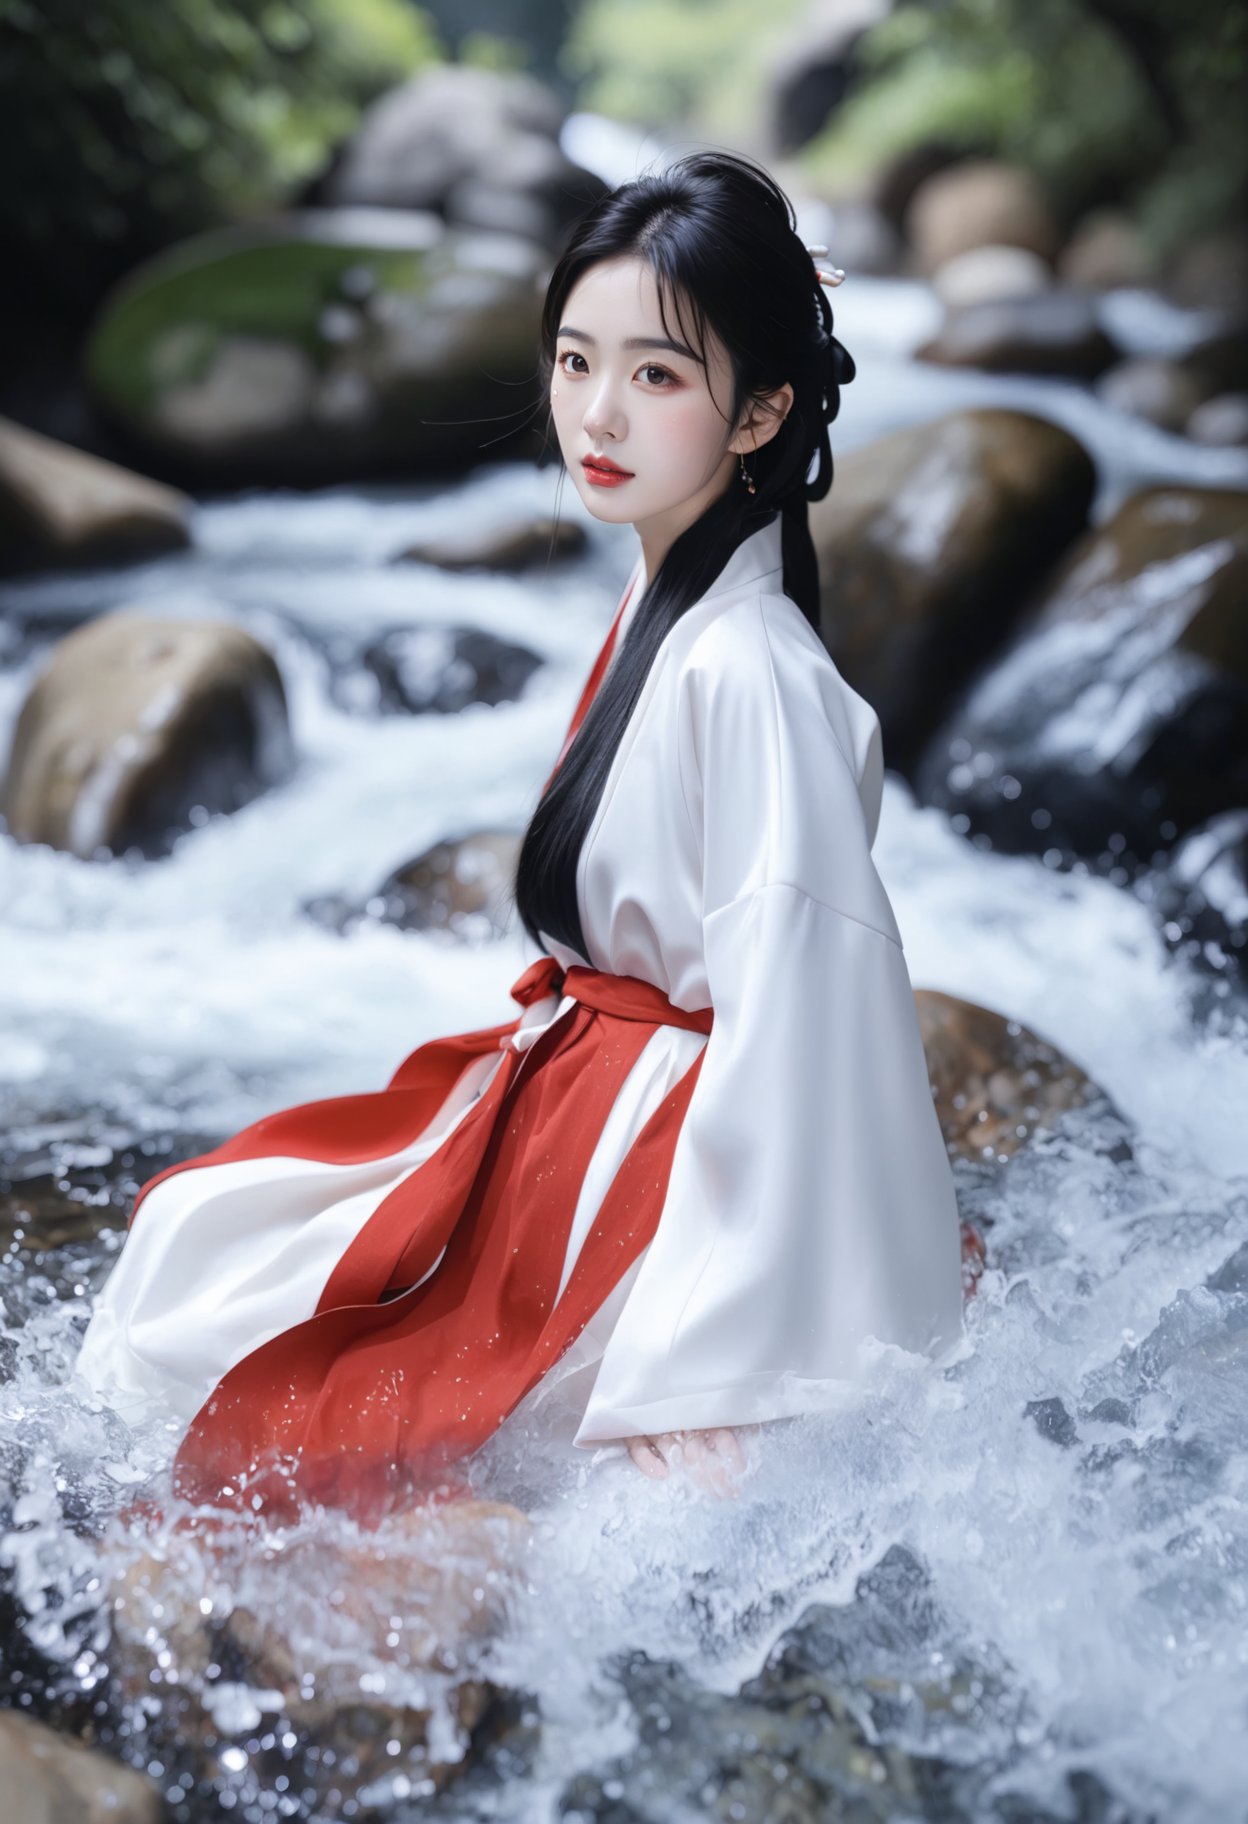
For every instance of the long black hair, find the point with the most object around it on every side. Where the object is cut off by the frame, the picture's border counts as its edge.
(720, 236)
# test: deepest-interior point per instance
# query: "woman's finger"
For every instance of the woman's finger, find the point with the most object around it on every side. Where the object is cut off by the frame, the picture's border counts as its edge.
(725, 1442)
(711, 1462)
(648, 1457)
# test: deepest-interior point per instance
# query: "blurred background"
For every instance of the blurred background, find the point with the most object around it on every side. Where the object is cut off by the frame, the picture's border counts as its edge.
(295, 604)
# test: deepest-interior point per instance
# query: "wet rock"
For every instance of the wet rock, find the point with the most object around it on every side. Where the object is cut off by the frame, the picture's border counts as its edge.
(434, 671)
(452, 883)
(140, 726)
(255, 388)
(1055, 332)
(979, 203)
(463, 887)
(1197, 1351)
(1219, 364)
(1232, 1276)
(811, 68)
(63, 1193)
(928, 544)
(48, 1779)
(61, 506)
(1150, 387)
(533, 189)
(1053, 1422)
(1222, 421)
(57, 1202)
(900, 176)
(1117, 719)
(1171, 393)
(517, 545)
(1105, 251)
(816, 1734)
(39, 1214)
(480, 146)
(703, 1754)
(997, 1082)
(357, 1644)
(1201, 894)
(1211, 272)
(1110, 1412)
(982, 274)
(326, 344)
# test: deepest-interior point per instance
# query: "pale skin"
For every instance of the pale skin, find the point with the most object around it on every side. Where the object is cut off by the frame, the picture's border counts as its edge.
(654, 410)
(662, 414)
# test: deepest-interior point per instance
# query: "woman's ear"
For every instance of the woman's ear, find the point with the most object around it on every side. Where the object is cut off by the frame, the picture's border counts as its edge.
(764, 416)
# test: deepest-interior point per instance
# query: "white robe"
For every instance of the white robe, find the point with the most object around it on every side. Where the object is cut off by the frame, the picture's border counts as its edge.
(810, 1207)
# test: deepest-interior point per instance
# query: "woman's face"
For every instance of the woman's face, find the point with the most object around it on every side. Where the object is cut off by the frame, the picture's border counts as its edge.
(622, 389)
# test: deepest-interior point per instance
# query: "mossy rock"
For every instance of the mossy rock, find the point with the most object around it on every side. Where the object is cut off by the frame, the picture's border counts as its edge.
(329, 343)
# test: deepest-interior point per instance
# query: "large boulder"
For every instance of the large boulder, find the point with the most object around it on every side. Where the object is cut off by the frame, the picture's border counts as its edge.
(1171, 391)
(814, 67)
(479, 146)
(1211, 272)
(866, 1708)
(329, 343)
(979, 203)
(997, 1082)
(1219, 364)
(1106, 250)
(1152, 387)
(513, 546)
(434, 670)
(139, 726)
(1057, 332)
(47, 1778)
(368, 1649)
(1118, 718)
(462, 887)
(928, 543)
(59, 505)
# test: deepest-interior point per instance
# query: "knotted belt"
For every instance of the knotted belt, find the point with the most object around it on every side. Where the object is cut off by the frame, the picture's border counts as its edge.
(389, 1381)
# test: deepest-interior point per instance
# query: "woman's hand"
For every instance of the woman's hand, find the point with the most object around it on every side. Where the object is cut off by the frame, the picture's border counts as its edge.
(712, 1457)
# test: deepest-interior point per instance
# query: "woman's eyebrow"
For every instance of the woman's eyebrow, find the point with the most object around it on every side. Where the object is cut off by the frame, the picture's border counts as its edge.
(677, 348)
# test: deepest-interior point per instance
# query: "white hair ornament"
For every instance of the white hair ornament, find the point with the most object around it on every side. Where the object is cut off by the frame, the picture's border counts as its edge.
(834, 276)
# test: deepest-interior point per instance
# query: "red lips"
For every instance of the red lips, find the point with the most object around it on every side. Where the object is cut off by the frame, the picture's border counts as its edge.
(604, 465)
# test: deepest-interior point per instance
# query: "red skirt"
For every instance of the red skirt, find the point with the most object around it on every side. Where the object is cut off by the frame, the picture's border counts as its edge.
(370, 1401)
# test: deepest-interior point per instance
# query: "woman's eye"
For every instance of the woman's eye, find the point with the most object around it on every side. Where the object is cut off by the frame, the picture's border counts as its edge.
(651, 368)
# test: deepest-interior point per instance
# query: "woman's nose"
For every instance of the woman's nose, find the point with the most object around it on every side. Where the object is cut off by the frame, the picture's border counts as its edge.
(603, 416)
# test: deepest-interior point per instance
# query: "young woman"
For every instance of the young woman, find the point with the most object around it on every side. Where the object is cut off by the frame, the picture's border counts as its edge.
(699, 1179)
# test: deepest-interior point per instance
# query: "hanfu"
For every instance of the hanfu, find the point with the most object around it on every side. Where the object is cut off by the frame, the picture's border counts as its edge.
(687, 1183)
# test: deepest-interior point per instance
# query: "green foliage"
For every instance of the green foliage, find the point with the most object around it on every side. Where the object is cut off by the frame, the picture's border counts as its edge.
(1132, 100)
(493, 51)
(692, 63)
(133, 121)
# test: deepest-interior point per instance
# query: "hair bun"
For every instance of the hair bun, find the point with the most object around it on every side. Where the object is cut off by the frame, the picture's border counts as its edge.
(841, 368)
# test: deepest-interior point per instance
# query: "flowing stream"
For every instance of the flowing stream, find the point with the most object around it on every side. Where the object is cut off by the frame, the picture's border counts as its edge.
(1056, 1523)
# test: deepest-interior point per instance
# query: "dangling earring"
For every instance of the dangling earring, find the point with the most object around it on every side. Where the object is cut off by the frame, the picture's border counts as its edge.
(746, 477)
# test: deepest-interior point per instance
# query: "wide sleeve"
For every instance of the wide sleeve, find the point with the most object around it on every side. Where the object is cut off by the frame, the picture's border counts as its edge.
(810, 1214)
